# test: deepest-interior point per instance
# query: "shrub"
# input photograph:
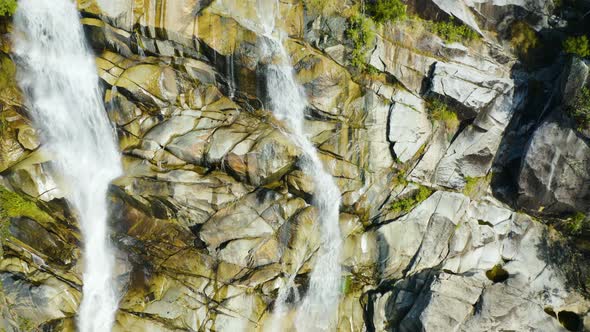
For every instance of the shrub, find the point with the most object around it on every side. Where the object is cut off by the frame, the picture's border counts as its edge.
(580, 109)
(440, 111)
(523, 38)
(452, 32)
(387, 10)
(577, 46)
(360, 31)
(7, 7)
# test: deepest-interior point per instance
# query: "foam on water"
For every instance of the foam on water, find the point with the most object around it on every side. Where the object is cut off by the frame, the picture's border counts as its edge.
(58, 74)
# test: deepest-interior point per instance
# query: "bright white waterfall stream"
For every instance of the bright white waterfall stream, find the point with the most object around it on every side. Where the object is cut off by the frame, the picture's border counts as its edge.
(58, 74)
(318, 310)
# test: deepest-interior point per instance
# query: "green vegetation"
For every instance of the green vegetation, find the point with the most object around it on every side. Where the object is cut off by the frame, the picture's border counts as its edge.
(400, 178)
(387, 10)
(324, 7)
(577, 45)
(580, 109)
(361, 33)
(14, 205)
(497, 274)
(25, 324)
(407, 203)
(440, 111)
(7, 7)
(347, 285)
(475, 185)
(471, 185)
(453, 32)
(576, 223)
(523, 38)
(4, 233)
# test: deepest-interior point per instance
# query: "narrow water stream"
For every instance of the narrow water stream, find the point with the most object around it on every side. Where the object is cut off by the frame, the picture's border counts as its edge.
(318, 309)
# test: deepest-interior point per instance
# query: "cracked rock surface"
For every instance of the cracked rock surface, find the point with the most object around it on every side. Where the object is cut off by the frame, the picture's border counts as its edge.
(450, 222)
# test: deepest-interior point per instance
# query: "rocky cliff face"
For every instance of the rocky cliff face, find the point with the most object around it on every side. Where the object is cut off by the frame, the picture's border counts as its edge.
(450, 223)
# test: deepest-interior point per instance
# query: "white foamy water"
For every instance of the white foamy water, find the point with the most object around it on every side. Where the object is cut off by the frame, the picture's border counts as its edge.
(57, 72)
(318, 309)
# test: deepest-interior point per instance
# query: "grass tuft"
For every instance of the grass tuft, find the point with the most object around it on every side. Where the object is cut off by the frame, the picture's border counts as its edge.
(440, 111)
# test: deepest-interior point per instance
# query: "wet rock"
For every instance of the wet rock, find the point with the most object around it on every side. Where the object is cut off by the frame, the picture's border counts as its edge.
(213, 213)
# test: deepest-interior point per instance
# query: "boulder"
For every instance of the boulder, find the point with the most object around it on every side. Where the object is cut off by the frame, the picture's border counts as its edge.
(491, 272)
(555, 170)
(472, 152)
(469, 88)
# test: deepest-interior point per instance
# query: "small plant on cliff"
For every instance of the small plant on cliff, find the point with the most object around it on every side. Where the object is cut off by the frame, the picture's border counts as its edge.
(580, 109)
(471, 185)
(4, 233)
(577, 45)
(453, 32)
(440, 111)
(523, 38)
(361, 33)
(406, 204)
(387, 10)
(7, 7)
(576, 223)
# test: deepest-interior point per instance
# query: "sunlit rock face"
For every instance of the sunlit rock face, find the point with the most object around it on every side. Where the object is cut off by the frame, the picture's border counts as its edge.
(215, 212)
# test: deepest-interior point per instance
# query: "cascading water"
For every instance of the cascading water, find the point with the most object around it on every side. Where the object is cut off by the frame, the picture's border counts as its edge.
(319, 308)
(57, 72)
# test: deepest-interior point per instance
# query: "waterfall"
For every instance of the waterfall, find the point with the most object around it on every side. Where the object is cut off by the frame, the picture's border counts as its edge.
(318, 310)
(58, 75)
(231, 76)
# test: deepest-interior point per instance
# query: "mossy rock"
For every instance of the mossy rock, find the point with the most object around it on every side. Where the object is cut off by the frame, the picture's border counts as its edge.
(497, 274)
(9, 91)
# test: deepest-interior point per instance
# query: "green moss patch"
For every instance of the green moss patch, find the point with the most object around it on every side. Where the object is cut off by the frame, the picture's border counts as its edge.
(14, 205)
(408, 203)
(580, 109)
(497, 274)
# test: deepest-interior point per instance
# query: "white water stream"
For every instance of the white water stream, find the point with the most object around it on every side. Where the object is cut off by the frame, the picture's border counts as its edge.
(318, 310)
(58, 74)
